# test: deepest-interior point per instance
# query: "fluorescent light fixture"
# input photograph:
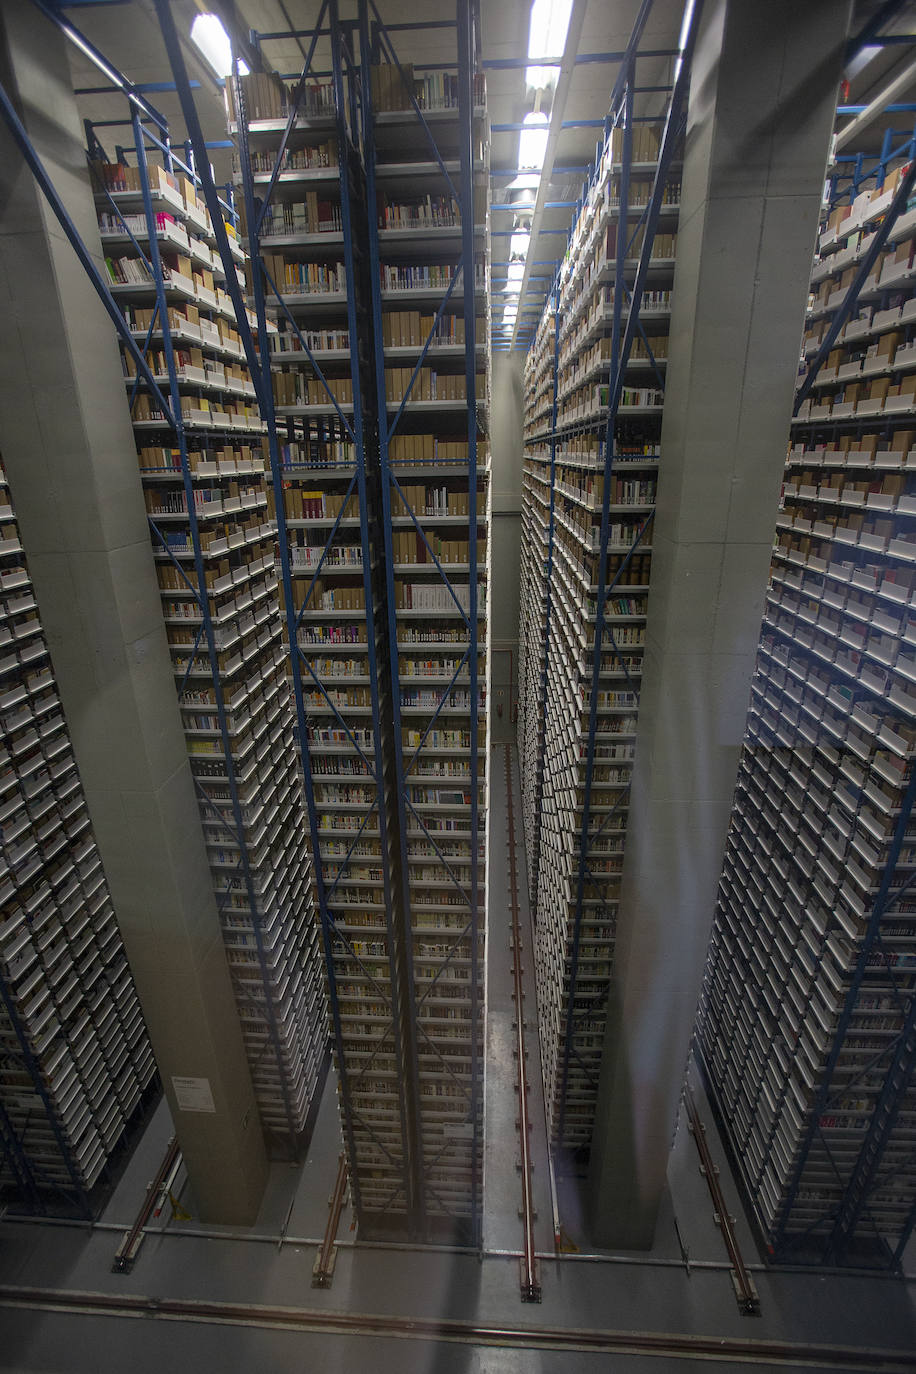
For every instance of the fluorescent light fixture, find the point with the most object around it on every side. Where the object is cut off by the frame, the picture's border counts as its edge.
(532, 142)
(519, 244)
(515, 273)
(212, 41)
(547, 38)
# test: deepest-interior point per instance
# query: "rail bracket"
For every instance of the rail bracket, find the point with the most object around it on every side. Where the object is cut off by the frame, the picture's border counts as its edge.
(323, 1271)
(530, 1285)
(747, 1297)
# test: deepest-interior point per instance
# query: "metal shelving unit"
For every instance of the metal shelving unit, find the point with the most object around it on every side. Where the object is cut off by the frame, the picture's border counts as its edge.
(76, 1062)
(376, 575)
(808, 1022)
(192, 402)
(435, 536)
(594, 398)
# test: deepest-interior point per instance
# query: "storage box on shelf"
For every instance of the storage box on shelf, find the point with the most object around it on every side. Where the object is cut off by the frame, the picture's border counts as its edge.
(806, 996)
(381, 636)
(76, 1059)
(564, 477)
(432, 508)
(335, 556)
(260, 868)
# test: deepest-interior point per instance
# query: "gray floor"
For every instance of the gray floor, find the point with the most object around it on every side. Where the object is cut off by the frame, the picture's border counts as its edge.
(271, 1265)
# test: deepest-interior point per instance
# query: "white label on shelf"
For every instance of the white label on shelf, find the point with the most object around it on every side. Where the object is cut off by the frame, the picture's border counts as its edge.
(193, 1094)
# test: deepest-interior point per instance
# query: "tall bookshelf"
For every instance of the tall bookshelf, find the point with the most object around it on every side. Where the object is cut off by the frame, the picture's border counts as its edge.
(76, 1061)
(594, 388)
(378, 384)
(807, 1021)
(427, 171)
(202, 461)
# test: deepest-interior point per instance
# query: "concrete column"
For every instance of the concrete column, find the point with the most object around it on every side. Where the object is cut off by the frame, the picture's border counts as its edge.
(68, 448)
(762, 100)
(506, 449)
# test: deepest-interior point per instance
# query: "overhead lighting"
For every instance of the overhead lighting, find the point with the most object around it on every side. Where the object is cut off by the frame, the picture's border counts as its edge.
(515, 273)
(546, 38)
(532, 142)
(519, 244)
(212, 42)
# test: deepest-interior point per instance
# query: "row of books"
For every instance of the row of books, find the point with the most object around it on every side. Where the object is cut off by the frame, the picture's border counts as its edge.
(427, 276)
(313, 215)
(306, 278)
(296, 159)
(396, 88)
(267, 97)
(422, 213)
(411, 328)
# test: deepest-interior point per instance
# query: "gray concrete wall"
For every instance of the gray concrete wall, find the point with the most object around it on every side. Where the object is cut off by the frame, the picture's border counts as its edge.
(506, 409)
(68, 448)
(762, 100)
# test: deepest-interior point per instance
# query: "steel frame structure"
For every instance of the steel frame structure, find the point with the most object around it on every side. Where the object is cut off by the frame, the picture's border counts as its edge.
(359, 432)
(378, 40)
(622, 336)
(840, 1221)
(373, 483)
(534, 788)
(150, 134)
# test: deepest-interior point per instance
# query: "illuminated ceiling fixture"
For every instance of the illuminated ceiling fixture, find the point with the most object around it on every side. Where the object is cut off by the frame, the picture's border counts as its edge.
(519, 244)
(212, 42)
(515, 274)
(532, 143)
(546, 38)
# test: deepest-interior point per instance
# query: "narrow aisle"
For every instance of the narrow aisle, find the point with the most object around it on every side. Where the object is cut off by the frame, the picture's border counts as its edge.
(502, 1226)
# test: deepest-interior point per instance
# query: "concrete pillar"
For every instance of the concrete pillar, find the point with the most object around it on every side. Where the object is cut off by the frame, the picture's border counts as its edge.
(762, 101)
(506, 450)
(68, 448)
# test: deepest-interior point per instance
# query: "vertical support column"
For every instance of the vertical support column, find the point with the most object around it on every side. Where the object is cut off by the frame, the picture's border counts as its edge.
(762, 101)
(506, 514)
(70, 455)
(466, 50)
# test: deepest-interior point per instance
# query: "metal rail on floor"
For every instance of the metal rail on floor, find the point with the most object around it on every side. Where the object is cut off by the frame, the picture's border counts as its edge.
(156, 1191)
(677, 1345)
(323, 1268)
(529, 1266)
(745, 1288)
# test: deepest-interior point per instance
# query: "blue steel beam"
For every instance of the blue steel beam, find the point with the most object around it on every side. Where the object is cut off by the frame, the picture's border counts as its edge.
(466, 52)
(620, 353)
(87, 262)
(865, 1177)
(264, 386)
(415, 1198)
(137, 100)
(259, 367)
(204, 603)
(616, 365)
(880, 237)
(856, 1187)
(367, 516)
(544, 650)
(33, 1069)
(582, 59)
(17, 1162)
(290, 124)
(868, 34)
